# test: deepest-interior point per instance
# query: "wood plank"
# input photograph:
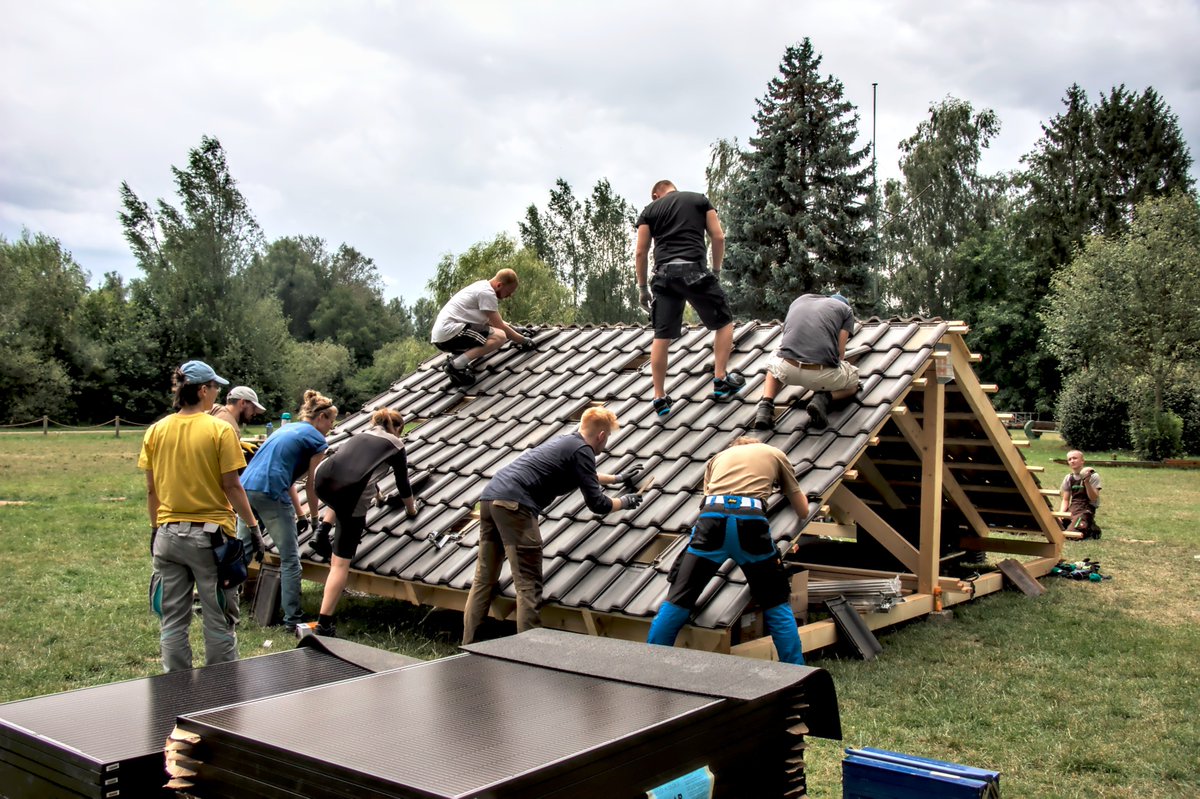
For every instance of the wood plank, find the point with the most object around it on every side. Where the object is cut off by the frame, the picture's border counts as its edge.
(831, 529)
(879, 529)
(876, 480)
(824, 633)
(932, 471)
(1022, 579)
(1008, 546)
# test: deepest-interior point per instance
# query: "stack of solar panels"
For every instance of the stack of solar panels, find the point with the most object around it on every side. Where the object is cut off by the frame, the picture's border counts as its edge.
(878, 774)
(540, 714)
(107, 741)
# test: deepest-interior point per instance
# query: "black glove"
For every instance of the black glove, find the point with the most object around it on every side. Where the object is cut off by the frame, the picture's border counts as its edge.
(527, 343)
(628, 477)
(153, 533)
(629, 501)
(257, 545)
(302, 525)
(645, 297)
(393, 500)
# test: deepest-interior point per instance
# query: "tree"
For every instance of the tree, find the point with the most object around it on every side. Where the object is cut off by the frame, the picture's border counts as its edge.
(390, 362)
(797, 222)
(322, 365)
(942, 202)
(540, 298)
(44, 350)
(558, 237)
(1127, 303)
(726, 166)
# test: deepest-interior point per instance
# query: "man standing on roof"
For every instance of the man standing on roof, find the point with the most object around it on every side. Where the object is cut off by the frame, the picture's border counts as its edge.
(1081, 496)
(811, 354)
(733, 524)
(676, 221)
(470, 326)
(512, 500)
(241, 406)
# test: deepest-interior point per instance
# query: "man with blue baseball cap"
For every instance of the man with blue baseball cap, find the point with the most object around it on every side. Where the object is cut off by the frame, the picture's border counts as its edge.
(811, 354)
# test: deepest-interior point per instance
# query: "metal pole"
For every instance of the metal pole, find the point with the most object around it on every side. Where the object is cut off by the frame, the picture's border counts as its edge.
(875, 191)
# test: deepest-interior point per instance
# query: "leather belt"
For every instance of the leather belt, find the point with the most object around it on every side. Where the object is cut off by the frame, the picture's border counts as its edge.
(734, 502)
(802, 365)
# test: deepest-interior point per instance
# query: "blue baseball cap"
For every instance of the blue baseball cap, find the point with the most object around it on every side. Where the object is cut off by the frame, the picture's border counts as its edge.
(196, 372)
(837, 295)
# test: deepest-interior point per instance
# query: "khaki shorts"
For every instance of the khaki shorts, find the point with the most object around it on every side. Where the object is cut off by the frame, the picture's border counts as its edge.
(829, 378)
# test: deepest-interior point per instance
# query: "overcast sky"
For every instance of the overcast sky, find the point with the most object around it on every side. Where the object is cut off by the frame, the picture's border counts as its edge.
(412, 129)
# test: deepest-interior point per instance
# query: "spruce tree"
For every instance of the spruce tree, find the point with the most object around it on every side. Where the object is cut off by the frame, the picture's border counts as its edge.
(797, 221)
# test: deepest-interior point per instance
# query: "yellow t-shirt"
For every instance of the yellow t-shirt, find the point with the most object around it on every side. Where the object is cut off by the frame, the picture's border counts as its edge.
(749, 470)
(188, 454)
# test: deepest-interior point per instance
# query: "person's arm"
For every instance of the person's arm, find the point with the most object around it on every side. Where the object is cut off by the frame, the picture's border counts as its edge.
(589, 484)
(310, 483)
(1066, 501)
(843, 337)
(399, 464)
(641, 256)
(712, 224)
(799, 504)
(236, 495)
(151, 499)
(1089, 485)
(495, 320)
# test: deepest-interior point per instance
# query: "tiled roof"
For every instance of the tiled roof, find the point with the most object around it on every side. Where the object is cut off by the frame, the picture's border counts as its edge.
(618, 563)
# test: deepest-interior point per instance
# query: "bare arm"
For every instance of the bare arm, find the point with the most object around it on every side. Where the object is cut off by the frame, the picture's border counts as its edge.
(494, 320)
(310, 483)
(641, 258)
(1066, 502)
(1092, 492)
(151, 498)
(236, 495)
(843, 337)
(800, 505)
(713, 224)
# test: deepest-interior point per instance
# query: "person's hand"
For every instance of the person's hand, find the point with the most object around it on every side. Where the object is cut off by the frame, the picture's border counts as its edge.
(629, 477)
(257, 545)
(1087, 471)
(644, 296)
(302, 525)
(411, 512)
(526, 344)
(630, 501)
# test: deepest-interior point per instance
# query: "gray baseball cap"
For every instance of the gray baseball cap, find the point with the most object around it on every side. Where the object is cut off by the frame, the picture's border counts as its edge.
(245, 393)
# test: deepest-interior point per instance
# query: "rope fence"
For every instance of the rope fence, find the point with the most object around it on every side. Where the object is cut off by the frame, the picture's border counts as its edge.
(46, 422)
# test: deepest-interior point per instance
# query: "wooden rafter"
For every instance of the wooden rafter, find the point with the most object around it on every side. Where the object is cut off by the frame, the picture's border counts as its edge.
(932, 473)
(875, 478)
(879, 529)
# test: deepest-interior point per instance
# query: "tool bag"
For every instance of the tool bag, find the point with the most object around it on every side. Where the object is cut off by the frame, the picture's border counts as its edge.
(230, 555)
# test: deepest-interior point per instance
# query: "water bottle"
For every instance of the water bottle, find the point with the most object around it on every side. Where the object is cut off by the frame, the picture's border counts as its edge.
(287, 417)
(270, 429)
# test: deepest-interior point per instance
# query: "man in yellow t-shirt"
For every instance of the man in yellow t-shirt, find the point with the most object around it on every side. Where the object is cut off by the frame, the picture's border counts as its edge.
(191, 460)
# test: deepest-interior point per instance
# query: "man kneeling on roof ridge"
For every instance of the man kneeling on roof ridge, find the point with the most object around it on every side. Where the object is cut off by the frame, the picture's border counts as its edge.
(733, 525)
(469, 326)
(811, 354)
(513, 499)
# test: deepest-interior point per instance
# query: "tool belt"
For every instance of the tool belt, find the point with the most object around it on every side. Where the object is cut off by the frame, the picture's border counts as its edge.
(734, 502)
(802, 365)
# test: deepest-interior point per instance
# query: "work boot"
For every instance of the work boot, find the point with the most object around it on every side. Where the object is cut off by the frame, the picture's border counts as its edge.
(321, 544)
(662, 406)
(818, 410)
(459, 377)
(725, 387)
(326, 629)
(764, 417)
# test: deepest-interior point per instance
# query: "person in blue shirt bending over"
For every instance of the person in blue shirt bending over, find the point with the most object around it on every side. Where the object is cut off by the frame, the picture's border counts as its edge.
(286, 456)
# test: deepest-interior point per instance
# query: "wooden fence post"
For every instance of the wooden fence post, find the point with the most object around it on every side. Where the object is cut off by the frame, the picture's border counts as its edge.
(45, 425)
(118, 433)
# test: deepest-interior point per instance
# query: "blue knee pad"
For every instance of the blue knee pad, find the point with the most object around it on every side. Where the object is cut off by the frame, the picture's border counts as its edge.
(781, 624)
(667, 623)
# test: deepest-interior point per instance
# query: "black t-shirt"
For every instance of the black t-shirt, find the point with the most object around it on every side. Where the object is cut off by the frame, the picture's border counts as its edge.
(557, 467)
(677, 224)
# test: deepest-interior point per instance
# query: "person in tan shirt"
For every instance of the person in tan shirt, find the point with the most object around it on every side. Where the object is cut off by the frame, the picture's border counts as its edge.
(733, 524)
(241, 406)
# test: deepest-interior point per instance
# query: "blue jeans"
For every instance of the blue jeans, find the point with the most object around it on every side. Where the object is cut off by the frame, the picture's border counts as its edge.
(279, 522)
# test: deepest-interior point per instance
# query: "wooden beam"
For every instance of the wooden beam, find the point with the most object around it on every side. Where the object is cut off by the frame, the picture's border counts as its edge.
(824, 633)
(1008, 546)
(879, 529)
(932, 471)
(830, 529)
(877, 482)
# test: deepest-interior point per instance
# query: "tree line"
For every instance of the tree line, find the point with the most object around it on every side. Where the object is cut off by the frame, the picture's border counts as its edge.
(1028, 257)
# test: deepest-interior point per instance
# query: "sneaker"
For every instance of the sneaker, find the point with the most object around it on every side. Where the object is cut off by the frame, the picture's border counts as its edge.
(326, 630)
(725, 387)
(764, 417)
(322, 545)
(818, 408)
(459, 377)
(662, 406)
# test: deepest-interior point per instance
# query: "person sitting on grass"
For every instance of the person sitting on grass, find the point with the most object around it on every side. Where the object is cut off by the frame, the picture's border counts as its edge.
(346, 482)
(1080, 496)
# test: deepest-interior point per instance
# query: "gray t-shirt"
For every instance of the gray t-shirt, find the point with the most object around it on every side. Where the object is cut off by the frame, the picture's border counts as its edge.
(810, 331)
(470, 306)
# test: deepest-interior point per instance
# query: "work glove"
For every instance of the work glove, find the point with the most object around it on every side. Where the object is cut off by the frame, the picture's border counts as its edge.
(526, 344)
(302, 525)
(413, 513)
(393, 500)
(257, 545)
(630, 501)
(629, 477)
(645, 297)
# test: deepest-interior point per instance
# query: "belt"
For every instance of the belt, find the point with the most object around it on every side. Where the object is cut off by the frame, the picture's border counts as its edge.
(802, 365)
(735, 502)
(183, 527)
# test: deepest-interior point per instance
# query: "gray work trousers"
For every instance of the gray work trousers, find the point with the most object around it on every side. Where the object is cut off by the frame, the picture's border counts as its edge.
(183, 558)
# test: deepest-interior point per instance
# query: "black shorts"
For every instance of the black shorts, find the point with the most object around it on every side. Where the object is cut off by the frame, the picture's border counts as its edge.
(675, 284)
(347, 534)
(472, 336)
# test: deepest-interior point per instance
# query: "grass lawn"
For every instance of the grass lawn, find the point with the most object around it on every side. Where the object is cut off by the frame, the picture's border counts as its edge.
(1091, 690)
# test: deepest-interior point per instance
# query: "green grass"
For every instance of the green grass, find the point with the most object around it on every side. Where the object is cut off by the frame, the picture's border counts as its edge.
(1090, 690)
